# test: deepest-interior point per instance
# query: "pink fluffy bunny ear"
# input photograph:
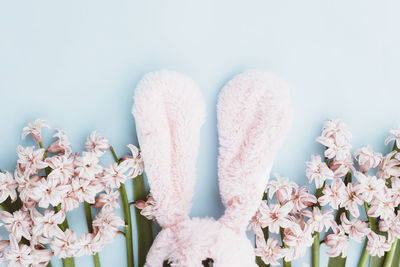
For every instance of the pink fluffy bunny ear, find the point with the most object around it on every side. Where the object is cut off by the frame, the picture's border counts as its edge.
(169, 111)
(254, 116)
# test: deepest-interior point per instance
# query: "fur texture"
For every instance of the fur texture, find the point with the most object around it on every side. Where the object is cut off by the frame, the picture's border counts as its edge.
(254, 114)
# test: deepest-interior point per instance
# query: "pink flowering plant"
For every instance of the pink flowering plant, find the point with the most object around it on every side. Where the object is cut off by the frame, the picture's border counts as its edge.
(47, 183)
(357, 198)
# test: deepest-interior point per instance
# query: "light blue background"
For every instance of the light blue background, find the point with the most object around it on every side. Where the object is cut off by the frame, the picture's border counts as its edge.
(76, 64)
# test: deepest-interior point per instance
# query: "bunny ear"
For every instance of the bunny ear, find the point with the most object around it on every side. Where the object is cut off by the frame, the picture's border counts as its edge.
(254, 116)
(169, 111)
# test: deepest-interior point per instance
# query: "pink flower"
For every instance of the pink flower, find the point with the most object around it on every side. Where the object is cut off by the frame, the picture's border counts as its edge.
(41, 257)
(391, 225)
(62, 168)
(29, 188)
(377, 244)
(108, 200)
(61, 145)
(334, 194)
(7, 187)
(318, 171)
(270, 252)
(89, 244)
(133, 163)
(282, 187)
(65, 246)
(298, 239)
(85, 190)
(356, 229)
(30, 159)
(395, 136)
(275, 216)
(115, 175)
(18, 255)
(302, 199)
(107, 223)
(334, 127)
(19, 223)
(367, 158)
(337, 147)
(395, 190)
(4, 244)
(318, 219)
(149, 208)
(351, 201)
(341, 167)
(382, 206)
(53, 193)
(368, 186)
(338, 242)
(70, 201)
(87, 166)
(47, 224)
(35, 129)
(97, 144)
(389, 166)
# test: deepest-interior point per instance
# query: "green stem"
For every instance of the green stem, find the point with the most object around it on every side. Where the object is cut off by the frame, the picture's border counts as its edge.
(89, 222)
(259, 261)
(372, 225)
(315, 250)
(128, 226)
(67, 262)
(285, 263)
(114, 155)
(127, 218)
(88, 214)
(390, 254)
(347, 180)
(64, 225)
(143, 225)
(364, 256)
(371, 220)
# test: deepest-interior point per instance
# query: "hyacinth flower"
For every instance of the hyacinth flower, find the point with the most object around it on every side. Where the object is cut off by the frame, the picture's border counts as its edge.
(48, 183)
(346, 184)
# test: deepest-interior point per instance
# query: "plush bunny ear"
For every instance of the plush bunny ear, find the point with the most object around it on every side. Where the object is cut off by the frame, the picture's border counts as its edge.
(169, 111)
(254, 116)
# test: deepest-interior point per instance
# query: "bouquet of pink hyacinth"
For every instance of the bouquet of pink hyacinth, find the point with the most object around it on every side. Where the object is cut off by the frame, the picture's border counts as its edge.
(357, 198)
(50, 182)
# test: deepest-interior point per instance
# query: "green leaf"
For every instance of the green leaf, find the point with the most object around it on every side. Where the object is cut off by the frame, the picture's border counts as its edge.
(260, 262)
(396, 258)
(337, 261)
(376, 261)
(143, 225)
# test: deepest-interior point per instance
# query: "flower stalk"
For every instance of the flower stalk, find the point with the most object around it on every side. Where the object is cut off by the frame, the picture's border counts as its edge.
(127, 218)
(317, 244)
(364, 255)
(282, 232)
(390, 254)
(316, 250)
(89, 221)
(67, 262)
(143, 225)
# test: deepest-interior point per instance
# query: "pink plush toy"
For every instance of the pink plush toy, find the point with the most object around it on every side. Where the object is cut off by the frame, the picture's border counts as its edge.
(254, 115)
